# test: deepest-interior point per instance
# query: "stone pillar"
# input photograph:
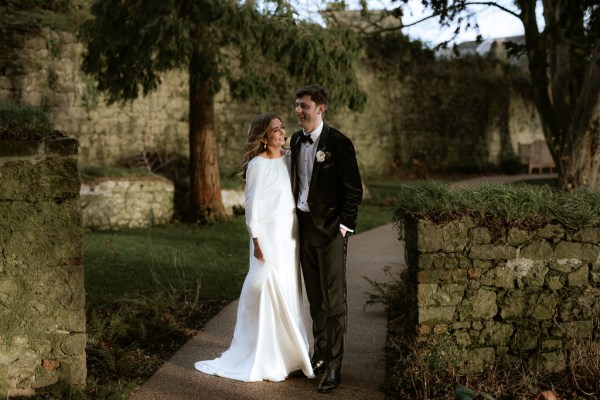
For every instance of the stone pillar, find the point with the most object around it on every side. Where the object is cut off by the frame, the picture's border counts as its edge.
(42, 310)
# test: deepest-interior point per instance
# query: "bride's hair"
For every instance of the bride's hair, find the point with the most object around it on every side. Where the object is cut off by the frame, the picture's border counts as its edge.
(254, 145)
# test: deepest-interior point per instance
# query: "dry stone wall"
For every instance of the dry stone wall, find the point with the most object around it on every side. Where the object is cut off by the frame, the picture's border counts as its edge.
(42, 314)
(504, 296)
(135, 202)
(426, 115)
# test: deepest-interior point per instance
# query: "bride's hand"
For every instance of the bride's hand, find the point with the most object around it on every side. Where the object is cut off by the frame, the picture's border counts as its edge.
(257, 251)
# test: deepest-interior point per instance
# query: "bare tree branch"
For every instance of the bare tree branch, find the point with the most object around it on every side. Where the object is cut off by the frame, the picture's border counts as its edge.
(450, 8)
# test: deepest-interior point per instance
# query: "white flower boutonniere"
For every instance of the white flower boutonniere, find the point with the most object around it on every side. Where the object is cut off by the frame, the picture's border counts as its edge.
(323, 155)
(320, 156)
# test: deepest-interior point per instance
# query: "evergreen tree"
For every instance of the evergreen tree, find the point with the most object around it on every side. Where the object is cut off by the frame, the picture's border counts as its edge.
(129, 44)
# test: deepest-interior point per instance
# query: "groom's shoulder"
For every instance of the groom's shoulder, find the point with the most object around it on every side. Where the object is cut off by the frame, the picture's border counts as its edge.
(336, 134)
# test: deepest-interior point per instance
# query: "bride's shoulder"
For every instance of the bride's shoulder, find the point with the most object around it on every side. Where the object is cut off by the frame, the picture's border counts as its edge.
(254, 162)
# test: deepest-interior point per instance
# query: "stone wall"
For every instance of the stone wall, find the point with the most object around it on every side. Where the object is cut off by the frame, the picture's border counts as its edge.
(42, 315)
(428, 115)
(504, 296)
(134, 202)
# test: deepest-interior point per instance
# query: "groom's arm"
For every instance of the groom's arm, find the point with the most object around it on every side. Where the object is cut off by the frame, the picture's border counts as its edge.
(351, 185)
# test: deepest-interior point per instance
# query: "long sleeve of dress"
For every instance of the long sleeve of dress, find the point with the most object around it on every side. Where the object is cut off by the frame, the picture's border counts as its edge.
(252, 198)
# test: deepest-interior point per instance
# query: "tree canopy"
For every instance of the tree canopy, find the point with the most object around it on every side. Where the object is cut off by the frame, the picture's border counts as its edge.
(258, 50)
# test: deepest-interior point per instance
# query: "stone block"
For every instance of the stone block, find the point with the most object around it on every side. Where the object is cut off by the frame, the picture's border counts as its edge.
(492, 252)
(555, 282)
(442, 261)
(52, 179)
(19, 148)
(496, 333)
(565, 265)
(429, 237)
(580, 251)
(433, 315)
(442, 276)
(73, 344)
(544, 305)
(513, 305)
(501, 276)
(481, 304)
(587, 235)
(455, 235)
(40, 234)
(62, 147)
(518, 236)
(73, 370)
(537, 250)
(480, 235)
(579, 277)
(426, 293)
(534, 276)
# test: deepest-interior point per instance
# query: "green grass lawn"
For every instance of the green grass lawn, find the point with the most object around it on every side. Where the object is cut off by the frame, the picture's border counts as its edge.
(174, 258)
(179, 257)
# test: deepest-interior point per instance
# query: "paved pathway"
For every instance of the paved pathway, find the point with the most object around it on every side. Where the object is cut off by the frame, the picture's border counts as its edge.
(363, 373)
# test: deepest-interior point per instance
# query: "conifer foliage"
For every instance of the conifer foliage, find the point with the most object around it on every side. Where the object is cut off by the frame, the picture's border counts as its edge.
(130, 44)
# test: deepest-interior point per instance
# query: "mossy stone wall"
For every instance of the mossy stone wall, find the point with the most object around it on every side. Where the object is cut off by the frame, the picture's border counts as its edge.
(504, 295)
(435, 115)
(42, 314)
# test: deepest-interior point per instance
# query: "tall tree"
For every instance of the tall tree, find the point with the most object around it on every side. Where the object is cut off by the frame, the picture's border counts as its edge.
(564, 70)
(129, 44)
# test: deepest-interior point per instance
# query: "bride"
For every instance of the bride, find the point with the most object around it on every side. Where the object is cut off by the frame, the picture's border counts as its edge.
(270, 339)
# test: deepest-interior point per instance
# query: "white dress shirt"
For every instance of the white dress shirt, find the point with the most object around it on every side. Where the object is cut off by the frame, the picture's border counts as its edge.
(305, 166)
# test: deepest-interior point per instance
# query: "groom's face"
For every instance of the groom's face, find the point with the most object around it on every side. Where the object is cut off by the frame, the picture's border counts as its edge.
(308, 113)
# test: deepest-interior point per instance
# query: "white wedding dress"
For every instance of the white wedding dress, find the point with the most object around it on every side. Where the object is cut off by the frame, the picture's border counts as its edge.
(270, 339)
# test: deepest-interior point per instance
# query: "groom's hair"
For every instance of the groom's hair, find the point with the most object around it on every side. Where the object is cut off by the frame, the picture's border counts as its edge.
(317, 93)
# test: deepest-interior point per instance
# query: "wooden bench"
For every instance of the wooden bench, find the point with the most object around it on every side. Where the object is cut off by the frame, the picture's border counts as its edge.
(536, 155)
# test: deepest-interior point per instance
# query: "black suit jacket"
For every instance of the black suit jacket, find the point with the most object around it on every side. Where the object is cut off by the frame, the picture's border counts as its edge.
(336, 186)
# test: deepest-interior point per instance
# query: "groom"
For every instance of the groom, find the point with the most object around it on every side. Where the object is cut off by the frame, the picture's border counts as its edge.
(328, 189)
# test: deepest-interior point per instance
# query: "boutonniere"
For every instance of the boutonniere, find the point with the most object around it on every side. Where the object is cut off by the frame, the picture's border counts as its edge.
(323, 155)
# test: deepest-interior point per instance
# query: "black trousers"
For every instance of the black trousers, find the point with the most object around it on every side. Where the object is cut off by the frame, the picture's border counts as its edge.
(323, 261)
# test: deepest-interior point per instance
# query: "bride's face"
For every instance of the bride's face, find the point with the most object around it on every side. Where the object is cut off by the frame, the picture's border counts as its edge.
(275, 134)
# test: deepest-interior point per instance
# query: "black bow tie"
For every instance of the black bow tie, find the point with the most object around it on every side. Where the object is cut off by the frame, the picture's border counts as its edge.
(306, 138)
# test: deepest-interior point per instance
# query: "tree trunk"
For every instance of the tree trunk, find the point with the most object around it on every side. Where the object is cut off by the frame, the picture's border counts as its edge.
(582, 167)
(537, 55)
(206, 204)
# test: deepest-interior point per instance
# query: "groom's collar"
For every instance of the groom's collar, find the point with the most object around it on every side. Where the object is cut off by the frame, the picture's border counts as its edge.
(314, 135)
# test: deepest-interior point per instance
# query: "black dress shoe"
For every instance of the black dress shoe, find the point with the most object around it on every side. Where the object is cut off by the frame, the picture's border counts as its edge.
(330, 381)
(296, 374)
(317, 365)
